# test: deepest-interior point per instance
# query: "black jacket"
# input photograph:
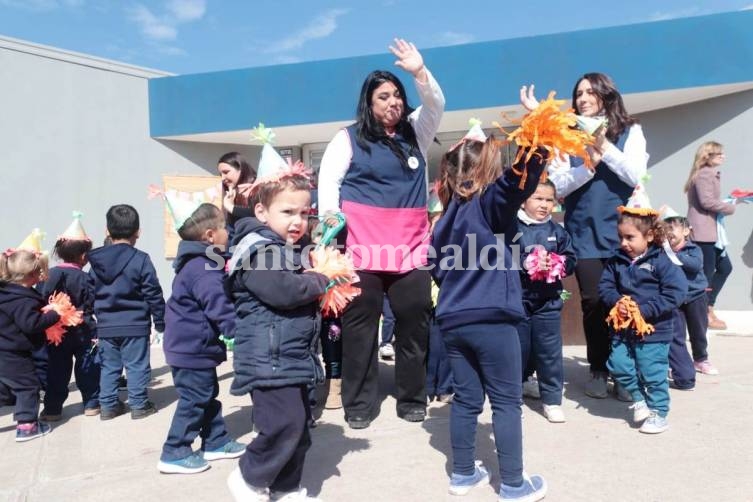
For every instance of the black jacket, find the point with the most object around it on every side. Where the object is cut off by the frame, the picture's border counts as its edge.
(278, 322)
(22, 322)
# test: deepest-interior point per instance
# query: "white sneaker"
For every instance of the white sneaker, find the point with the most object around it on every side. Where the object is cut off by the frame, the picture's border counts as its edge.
(386, 351)
(640, 411)
(298, 496)
(531, 388)
(654, 424)
(554, 413)
(242, 491)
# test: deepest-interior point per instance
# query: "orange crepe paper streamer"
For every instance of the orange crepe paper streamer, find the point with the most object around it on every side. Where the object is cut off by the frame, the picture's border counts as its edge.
(340, 270)
(638, 211)
(633, 320)
(553, 129)
(69, 316)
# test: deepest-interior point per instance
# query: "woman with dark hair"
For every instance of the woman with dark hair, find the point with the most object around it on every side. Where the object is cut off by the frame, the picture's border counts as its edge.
(375, 173)
(237, 175)
(590, 198)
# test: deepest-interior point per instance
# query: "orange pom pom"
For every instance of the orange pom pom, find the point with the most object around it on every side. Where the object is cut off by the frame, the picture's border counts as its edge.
(550, 127)
(340, 270)
(69, 316)
(633, 320)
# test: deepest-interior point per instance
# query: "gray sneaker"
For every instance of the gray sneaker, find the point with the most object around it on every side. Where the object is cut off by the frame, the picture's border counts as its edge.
(597, 385)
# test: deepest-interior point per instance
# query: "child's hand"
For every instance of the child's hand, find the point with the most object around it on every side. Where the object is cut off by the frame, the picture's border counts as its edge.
(545, 262)
(623, 310)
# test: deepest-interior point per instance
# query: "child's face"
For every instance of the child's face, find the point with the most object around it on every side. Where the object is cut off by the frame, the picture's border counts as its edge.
(218, 236)
(632, 241)
(541, 204)
(287, 215)
(677, 234)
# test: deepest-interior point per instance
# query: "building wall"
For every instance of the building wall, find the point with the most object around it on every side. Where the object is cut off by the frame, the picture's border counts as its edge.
(75, 136)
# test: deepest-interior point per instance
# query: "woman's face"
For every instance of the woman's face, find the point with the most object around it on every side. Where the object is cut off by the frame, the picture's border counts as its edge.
(387, 105)
(587, 102)
(716, 159)
(229, 174)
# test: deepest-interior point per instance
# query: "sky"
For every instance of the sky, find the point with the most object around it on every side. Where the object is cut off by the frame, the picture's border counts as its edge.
(196, 36)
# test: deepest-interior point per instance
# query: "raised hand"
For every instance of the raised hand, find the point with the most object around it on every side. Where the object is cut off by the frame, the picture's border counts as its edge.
(528, 99)
(409, 59)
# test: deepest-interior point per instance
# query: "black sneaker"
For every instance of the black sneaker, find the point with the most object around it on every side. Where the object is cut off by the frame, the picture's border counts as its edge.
(145, 411)
(358, 422)
(413, 415)
(122, 383)
(110, 413)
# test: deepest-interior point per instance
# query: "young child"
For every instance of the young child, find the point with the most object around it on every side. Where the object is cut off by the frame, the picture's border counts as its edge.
(480, 303)
(197, 313)
(438, 373)
(275, 339)
(22, 326)
(127, 298)
(540, 338)
(692, 314)
(79, 342)
(642, 271)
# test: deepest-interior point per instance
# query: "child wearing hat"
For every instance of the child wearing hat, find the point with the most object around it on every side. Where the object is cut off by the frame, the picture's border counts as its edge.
(79, 343)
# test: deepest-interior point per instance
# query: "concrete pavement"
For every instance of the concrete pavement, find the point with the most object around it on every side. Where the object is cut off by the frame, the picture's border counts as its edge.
(597, 455)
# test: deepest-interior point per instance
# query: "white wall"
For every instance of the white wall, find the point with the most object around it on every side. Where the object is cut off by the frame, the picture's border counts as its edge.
(74, 135)
(673, 136)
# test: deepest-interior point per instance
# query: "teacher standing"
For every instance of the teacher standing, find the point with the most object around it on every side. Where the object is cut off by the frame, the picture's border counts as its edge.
(374, 172)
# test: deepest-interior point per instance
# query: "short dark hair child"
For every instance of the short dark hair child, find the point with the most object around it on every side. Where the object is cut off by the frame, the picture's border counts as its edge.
(122, 221)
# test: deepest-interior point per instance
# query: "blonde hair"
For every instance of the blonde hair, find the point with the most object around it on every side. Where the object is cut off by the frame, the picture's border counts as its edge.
(468, 169)
(17, 265)
(702, 157)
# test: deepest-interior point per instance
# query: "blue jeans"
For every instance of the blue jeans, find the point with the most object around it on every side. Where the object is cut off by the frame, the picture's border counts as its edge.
(485, 359)
(641, 369)
(683, 371)
(199, 413)
(60, 366)
(541, 344)
(438, 372)
(131, 352)
(388, 322)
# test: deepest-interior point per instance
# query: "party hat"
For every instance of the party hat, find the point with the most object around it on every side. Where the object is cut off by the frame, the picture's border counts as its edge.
(475, 133)
(180, 205)
(32, 242)
(639, 203)
(667, 213)
(590, 124)
(75, 231)
(272, 167)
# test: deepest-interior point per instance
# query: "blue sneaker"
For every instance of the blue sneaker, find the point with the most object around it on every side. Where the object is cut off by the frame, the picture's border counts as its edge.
(189, 465)
(33, 430)
(461, 484)
(231, 449)
(532, 489)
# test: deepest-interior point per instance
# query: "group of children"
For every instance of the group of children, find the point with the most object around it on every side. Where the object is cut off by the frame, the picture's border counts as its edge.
(498, 326)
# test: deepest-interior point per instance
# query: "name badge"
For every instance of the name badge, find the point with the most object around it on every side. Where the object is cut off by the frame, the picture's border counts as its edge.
(412, 162)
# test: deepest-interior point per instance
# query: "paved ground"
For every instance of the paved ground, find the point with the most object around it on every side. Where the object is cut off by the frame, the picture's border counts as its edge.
(597, 455)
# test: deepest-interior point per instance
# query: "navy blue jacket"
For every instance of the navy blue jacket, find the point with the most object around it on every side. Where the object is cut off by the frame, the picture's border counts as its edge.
(554, 239)
(277, 328)
(467, 292)
(77, 284)
(691, 257)
(656, 284)
(590, 211)
(22, 322)
(127, 293)
(198, 310)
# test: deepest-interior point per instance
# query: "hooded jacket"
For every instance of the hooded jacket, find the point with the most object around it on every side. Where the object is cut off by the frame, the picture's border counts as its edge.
(127, 293)
(198, 310)
(77, 284)
(22, 322)
(277, 327)
(656, 284)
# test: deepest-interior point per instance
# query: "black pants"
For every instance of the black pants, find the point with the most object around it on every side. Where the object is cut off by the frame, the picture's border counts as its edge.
(60, 366)
(588, 272)
(332, 347)
(19, 378)
(716, 267)
(410, 298)
(274, 459)
(683, 371)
